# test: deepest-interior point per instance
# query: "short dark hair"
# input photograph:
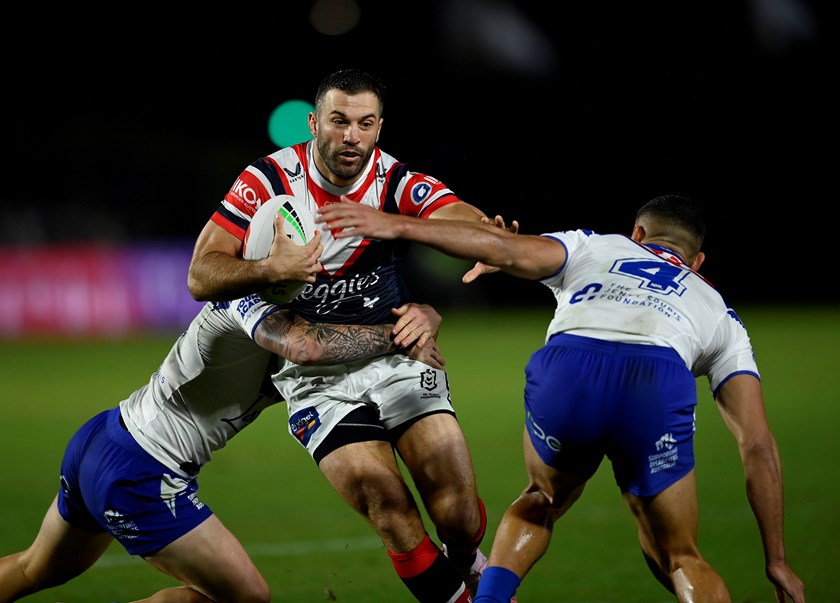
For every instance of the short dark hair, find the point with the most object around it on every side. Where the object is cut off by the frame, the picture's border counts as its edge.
(677, 211)
(351, 81)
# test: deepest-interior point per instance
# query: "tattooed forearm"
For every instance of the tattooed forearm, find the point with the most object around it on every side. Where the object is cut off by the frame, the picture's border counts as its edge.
(304, 342)
(337, 344)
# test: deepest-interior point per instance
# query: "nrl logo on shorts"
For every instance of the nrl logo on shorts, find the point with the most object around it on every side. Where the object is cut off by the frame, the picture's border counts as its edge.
(428, 379)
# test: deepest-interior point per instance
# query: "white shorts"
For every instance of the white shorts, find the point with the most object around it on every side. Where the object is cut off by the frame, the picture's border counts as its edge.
(394, 389)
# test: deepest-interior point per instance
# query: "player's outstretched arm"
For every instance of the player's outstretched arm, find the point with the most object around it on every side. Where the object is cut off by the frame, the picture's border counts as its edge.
(481, 268)
(218, 272)
(525, 256)
(314, 343)
(741, 404)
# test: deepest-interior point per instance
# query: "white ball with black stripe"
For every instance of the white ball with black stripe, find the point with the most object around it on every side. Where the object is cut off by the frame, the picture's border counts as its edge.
(300, 228)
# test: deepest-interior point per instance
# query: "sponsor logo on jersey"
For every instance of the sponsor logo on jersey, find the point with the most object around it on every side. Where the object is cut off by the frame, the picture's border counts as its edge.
(242, 191)
(304, 423)
(666, 456)
(119, 526)
(667, 442)
(420, 192)
(538, 432)
(329, 296)
(246, 303)
(296, 175)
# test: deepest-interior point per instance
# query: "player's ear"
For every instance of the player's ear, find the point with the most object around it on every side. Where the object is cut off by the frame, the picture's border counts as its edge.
(312, 120)
(638, 233)
(698, 261)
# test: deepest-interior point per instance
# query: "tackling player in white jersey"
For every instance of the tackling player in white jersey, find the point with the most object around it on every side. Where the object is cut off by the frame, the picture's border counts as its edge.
(352, 418)
(635, 324)
(130, 473)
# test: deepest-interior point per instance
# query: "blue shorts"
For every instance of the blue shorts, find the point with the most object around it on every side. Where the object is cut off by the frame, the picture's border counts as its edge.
(109, 483)
(586, 398)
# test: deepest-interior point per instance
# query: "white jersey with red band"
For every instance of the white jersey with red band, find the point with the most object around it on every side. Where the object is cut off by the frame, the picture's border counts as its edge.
(361, 279)
(615, 289)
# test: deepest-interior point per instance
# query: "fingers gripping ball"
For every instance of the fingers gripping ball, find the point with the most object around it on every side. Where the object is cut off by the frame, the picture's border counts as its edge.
(299, 224)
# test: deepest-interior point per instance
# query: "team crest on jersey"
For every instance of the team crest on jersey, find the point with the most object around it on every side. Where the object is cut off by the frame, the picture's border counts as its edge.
(304, 423)
(420, 192)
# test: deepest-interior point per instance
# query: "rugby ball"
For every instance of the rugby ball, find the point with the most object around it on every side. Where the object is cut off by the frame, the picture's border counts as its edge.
(300, 228)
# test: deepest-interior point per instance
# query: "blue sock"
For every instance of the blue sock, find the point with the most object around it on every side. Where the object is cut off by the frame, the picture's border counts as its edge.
(497, 585)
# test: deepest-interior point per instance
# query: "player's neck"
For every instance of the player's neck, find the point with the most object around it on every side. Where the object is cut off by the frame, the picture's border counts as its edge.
(666, 246)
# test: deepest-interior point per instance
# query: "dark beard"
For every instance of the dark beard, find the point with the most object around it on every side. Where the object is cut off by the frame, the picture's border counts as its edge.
(334, 164)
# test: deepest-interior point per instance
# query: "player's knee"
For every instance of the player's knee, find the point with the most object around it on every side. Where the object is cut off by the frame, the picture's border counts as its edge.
(32, 576)
(378, 495)
(449, 499)
(458, 522)
(536, 506)
(686, 559)
(258, 593)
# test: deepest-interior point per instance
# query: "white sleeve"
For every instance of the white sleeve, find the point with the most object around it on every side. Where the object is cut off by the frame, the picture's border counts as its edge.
(570, 240)
(731, 352)
(249, 311)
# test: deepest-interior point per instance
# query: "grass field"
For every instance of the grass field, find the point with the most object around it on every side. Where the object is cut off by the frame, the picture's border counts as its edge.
(305, 540)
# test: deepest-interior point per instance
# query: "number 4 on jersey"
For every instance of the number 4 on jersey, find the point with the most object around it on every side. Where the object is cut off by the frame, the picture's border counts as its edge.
(655, 275)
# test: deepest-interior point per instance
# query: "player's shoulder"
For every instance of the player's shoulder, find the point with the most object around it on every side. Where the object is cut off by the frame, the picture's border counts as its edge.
(218, 319)
(579, 236)
(385, 159)
(399, 173)
(210, 331)
(286, 156)
(265, 170)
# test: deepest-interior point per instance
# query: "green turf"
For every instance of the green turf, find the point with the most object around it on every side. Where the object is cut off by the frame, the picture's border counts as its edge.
(305, 540)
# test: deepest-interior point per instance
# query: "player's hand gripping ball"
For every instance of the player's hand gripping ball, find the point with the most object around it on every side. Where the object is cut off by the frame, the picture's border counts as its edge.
(300, 227)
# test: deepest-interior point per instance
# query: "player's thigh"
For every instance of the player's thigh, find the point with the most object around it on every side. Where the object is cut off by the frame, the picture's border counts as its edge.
(436, 455)
(212, 560)
(667, 522)
(62, 551)
(363, 472)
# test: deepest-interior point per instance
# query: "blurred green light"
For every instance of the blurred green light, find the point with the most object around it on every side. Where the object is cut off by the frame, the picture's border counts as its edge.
(288, 123)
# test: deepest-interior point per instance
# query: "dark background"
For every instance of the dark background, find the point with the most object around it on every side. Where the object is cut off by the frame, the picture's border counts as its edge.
(560, 115)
